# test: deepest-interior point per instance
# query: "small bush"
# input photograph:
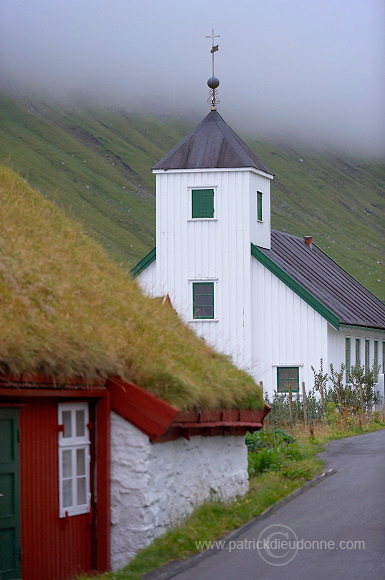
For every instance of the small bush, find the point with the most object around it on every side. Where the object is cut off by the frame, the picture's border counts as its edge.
(270, 451)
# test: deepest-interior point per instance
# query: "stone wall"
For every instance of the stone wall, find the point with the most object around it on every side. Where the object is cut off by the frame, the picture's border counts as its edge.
(155, 485)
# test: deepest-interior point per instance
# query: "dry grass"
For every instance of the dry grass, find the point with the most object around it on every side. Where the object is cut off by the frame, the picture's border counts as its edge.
(68, 310)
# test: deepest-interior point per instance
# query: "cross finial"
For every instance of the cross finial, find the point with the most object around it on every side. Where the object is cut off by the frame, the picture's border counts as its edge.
(214, 48)
(213, 82)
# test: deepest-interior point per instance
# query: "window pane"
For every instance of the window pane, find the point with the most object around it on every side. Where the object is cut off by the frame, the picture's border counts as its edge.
(347, 359)
(81, 490)
(67, 493)
(287, 378)
(80, 426)
(66, 418)
(367, 354)
(259, 206)
(203, 300)
(67, 463)
(80, 462)
(358, 348)
(208, 312)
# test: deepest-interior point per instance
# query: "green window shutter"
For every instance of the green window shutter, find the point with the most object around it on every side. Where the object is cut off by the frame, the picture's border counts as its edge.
(287, 376)
(347, 359)
(367, 354)
(358, 348)
(259, 206)
(375, 358)
(203, 300)
(202, 203)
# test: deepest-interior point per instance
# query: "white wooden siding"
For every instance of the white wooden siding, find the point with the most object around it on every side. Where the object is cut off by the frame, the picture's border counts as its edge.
(149, 282)
(286, 331)
(190, 250)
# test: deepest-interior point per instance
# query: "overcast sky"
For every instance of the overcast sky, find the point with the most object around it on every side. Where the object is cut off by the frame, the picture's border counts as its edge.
(313, 67)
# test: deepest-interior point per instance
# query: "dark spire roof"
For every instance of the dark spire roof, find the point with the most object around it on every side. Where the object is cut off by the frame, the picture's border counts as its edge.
(351, 302)
(212, 144)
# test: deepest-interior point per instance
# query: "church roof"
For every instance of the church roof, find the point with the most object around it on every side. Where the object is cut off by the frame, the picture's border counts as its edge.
(310, 269)
(212, 144)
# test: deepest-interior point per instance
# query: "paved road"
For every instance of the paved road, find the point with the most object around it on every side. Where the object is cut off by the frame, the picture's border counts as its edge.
(333, 531)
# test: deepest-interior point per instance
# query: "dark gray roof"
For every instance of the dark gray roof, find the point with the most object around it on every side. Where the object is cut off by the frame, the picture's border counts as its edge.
(212, 144)
(326, 281)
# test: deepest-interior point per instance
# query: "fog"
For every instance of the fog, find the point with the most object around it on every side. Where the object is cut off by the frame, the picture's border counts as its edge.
(309, 68)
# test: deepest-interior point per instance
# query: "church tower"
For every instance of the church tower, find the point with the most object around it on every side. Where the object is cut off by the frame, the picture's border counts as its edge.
(272, 301)
(212, 203)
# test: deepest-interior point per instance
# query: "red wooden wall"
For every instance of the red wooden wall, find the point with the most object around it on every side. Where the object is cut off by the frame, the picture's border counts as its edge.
(53, 547)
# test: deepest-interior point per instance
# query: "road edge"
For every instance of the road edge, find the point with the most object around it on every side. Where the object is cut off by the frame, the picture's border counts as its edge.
(173, 568)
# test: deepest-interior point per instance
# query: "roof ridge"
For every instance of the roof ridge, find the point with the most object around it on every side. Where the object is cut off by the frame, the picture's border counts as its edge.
(287, 234)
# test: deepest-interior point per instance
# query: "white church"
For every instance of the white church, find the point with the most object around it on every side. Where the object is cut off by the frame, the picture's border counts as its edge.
(275, 303)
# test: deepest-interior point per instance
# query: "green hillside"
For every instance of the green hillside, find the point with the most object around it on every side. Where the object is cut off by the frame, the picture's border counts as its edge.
(95, 161)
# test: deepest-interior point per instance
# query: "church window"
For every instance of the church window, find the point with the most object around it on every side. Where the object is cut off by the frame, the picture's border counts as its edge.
(347, 358)
(358, 351)
(259, 206)
(203, 300)
(202, 203)
(287, 377)
(367, 354)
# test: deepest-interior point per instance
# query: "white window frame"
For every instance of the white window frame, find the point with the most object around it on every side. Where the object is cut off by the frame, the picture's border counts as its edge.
(72, 444)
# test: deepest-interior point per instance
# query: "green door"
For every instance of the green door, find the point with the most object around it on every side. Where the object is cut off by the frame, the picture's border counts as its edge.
(9, 494)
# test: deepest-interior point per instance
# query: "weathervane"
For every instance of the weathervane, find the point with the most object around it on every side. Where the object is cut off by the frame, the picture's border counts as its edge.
(213, 82)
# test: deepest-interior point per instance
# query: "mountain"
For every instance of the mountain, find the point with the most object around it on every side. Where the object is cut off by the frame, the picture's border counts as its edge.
(94, 160)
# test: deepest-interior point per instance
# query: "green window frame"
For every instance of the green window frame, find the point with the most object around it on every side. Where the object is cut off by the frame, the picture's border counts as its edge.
(375, 358)
(358, 349)
(287, 376)
(347, 358)
(367, 354)
(202, 203)
(259, 206)
(203, 300)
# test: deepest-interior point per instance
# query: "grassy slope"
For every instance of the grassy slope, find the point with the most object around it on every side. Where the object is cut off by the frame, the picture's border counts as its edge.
(96, 162)
(67, 310)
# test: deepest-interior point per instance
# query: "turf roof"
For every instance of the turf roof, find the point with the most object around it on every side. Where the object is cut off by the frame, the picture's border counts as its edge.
(68, 310)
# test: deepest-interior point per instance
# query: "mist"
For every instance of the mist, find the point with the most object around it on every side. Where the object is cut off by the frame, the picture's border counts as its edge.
(313, 69)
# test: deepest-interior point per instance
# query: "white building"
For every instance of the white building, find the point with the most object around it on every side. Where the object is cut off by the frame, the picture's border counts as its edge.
(274, 302)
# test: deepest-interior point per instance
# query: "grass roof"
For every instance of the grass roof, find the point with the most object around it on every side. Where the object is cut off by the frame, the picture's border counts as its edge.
(67, 311)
